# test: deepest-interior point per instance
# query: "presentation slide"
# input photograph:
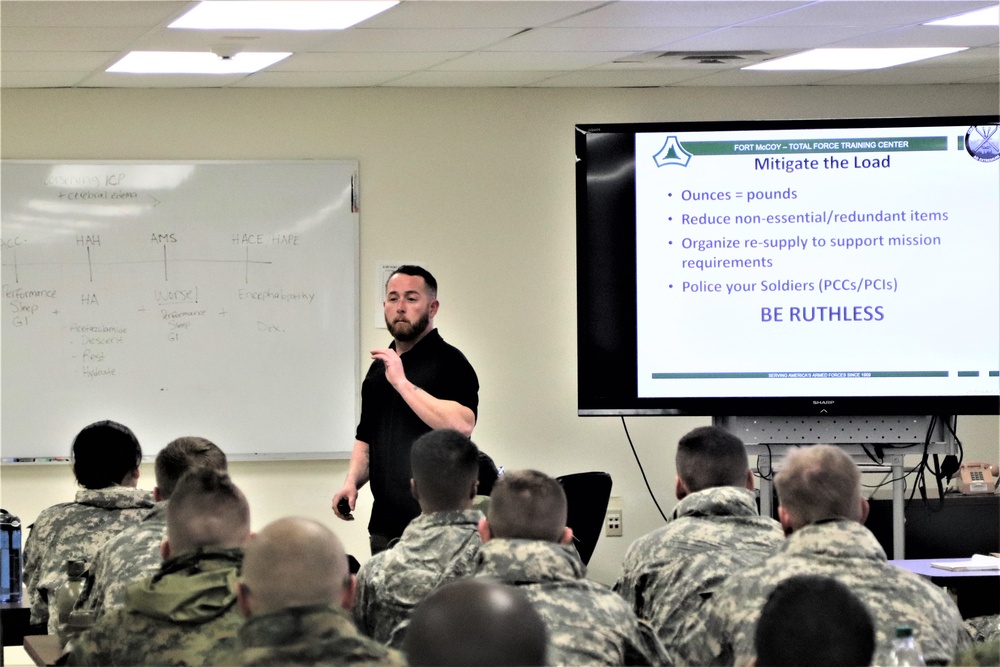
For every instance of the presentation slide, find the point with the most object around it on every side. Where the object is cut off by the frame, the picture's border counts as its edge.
(787, 262)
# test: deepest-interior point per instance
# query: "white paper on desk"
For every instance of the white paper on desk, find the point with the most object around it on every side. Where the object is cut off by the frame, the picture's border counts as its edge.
(977, 562)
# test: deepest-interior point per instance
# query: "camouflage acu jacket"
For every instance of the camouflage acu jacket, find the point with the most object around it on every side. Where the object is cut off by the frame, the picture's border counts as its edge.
(74, 531)
(669, 573)
(848, 552)
(184, 615)
(315, 636)
(132, 554)
(588, 624)
(434, 549)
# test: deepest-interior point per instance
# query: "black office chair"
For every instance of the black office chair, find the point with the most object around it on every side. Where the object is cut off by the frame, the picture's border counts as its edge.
(488, 474)
(587, 496)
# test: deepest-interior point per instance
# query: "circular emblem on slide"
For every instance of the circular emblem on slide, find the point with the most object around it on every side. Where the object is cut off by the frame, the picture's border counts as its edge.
(983, 142)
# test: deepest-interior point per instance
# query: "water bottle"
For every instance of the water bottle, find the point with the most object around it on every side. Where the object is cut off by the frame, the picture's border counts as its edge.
(66, 598)
(905, 649)
(10, 557)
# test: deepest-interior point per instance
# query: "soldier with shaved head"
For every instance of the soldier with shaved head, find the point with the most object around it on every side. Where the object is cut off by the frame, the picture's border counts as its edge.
(476, 622)
(186, 614)
(296, 592)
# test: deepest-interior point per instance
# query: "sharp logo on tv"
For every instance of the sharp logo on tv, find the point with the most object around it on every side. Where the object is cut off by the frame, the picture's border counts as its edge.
(983, 143)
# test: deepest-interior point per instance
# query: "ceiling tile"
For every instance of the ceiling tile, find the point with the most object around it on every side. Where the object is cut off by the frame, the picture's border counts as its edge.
(501, 61)
(410, 39)
(476, 14)
(867, 13)
(441, 79)
(592, 39)
(764, 38)
(89, 13)
(55, 61)
(664, 14)
(909, 76)
(922, 35)
(116, 80)
(593, 78)
(42, 79)
(68, 39)
(269, 79)
(738, 77)
(360, 62)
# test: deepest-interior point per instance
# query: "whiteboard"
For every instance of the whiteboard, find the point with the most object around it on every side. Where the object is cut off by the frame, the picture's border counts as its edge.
(208, 298)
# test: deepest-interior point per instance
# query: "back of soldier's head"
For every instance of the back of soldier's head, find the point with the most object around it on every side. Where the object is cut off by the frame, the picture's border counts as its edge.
(294, 562)
(445, 465)
(528, 505)
(207, 510)
(813, 620)
(181, 455)
(819, 482)
(475, 622)
(709, 456)
(104, 453)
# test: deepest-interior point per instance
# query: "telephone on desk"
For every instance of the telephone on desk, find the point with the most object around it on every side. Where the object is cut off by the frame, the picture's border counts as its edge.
(975, 478)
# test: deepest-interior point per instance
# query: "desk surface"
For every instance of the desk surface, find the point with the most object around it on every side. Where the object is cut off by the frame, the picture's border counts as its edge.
(43, 649)
(923, 567)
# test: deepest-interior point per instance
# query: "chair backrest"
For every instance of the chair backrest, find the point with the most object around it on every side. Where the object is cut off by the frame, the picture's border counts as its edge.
(587, 496)
(488, 474)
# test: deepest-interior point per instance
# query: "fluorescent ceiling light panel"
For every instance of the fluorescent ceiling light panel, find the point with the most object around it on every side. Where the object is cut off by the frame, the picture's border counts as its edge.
(987, 16)
(187, 62)
(851, 59)
(280, 15)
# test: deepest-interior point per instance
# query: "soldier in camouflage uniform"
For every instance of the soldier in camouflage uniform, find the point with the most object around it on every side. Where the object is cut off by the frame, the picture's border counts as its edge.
(186, 614)
(527, 544)
(295, 592)
(821, 506)
(439, 545)
(714, 530)
(134, 553)
(106, 457)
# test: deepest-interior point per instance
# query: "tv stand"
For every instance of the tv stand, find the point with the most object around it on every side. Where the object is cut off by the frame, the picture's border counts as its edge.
(877, 445)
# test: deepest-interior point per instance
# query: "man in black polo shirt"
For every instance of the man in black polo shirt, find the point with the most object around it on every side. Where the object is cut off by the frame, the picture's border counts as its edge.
(418, 384)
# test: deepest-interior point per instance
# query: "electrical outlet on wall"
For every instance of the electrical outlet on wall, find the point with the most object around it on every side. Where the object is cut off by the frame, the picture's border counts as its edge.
(613, 517)
(613, 523)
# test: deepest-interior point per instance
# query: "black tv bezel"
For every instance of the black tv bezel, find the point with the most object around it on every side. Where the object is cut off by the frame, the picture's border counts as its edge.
(606, 284)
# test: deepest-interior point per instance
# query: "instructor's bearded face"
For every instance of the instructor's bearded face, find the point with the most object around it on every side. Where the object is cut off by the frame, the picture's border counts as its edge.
(405, 330)
(409, 308)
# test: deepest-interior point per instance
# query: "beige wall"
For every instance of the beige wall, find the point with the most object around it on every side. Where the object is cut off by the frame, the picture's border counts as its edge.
(476, 184)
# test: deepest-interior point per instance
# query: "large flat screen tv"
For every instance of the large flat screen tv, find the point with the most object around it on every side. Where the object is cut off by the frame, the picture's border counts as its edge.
(840, 267)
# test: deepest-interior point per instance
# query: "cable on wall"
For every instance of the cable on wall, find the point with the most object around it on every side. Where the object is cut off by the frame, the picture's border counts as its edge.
(641, 469)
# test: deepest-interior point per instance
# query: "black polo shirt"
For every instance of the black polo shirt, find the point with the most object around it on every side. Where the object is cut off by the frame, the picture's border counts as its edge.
(389, 426)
